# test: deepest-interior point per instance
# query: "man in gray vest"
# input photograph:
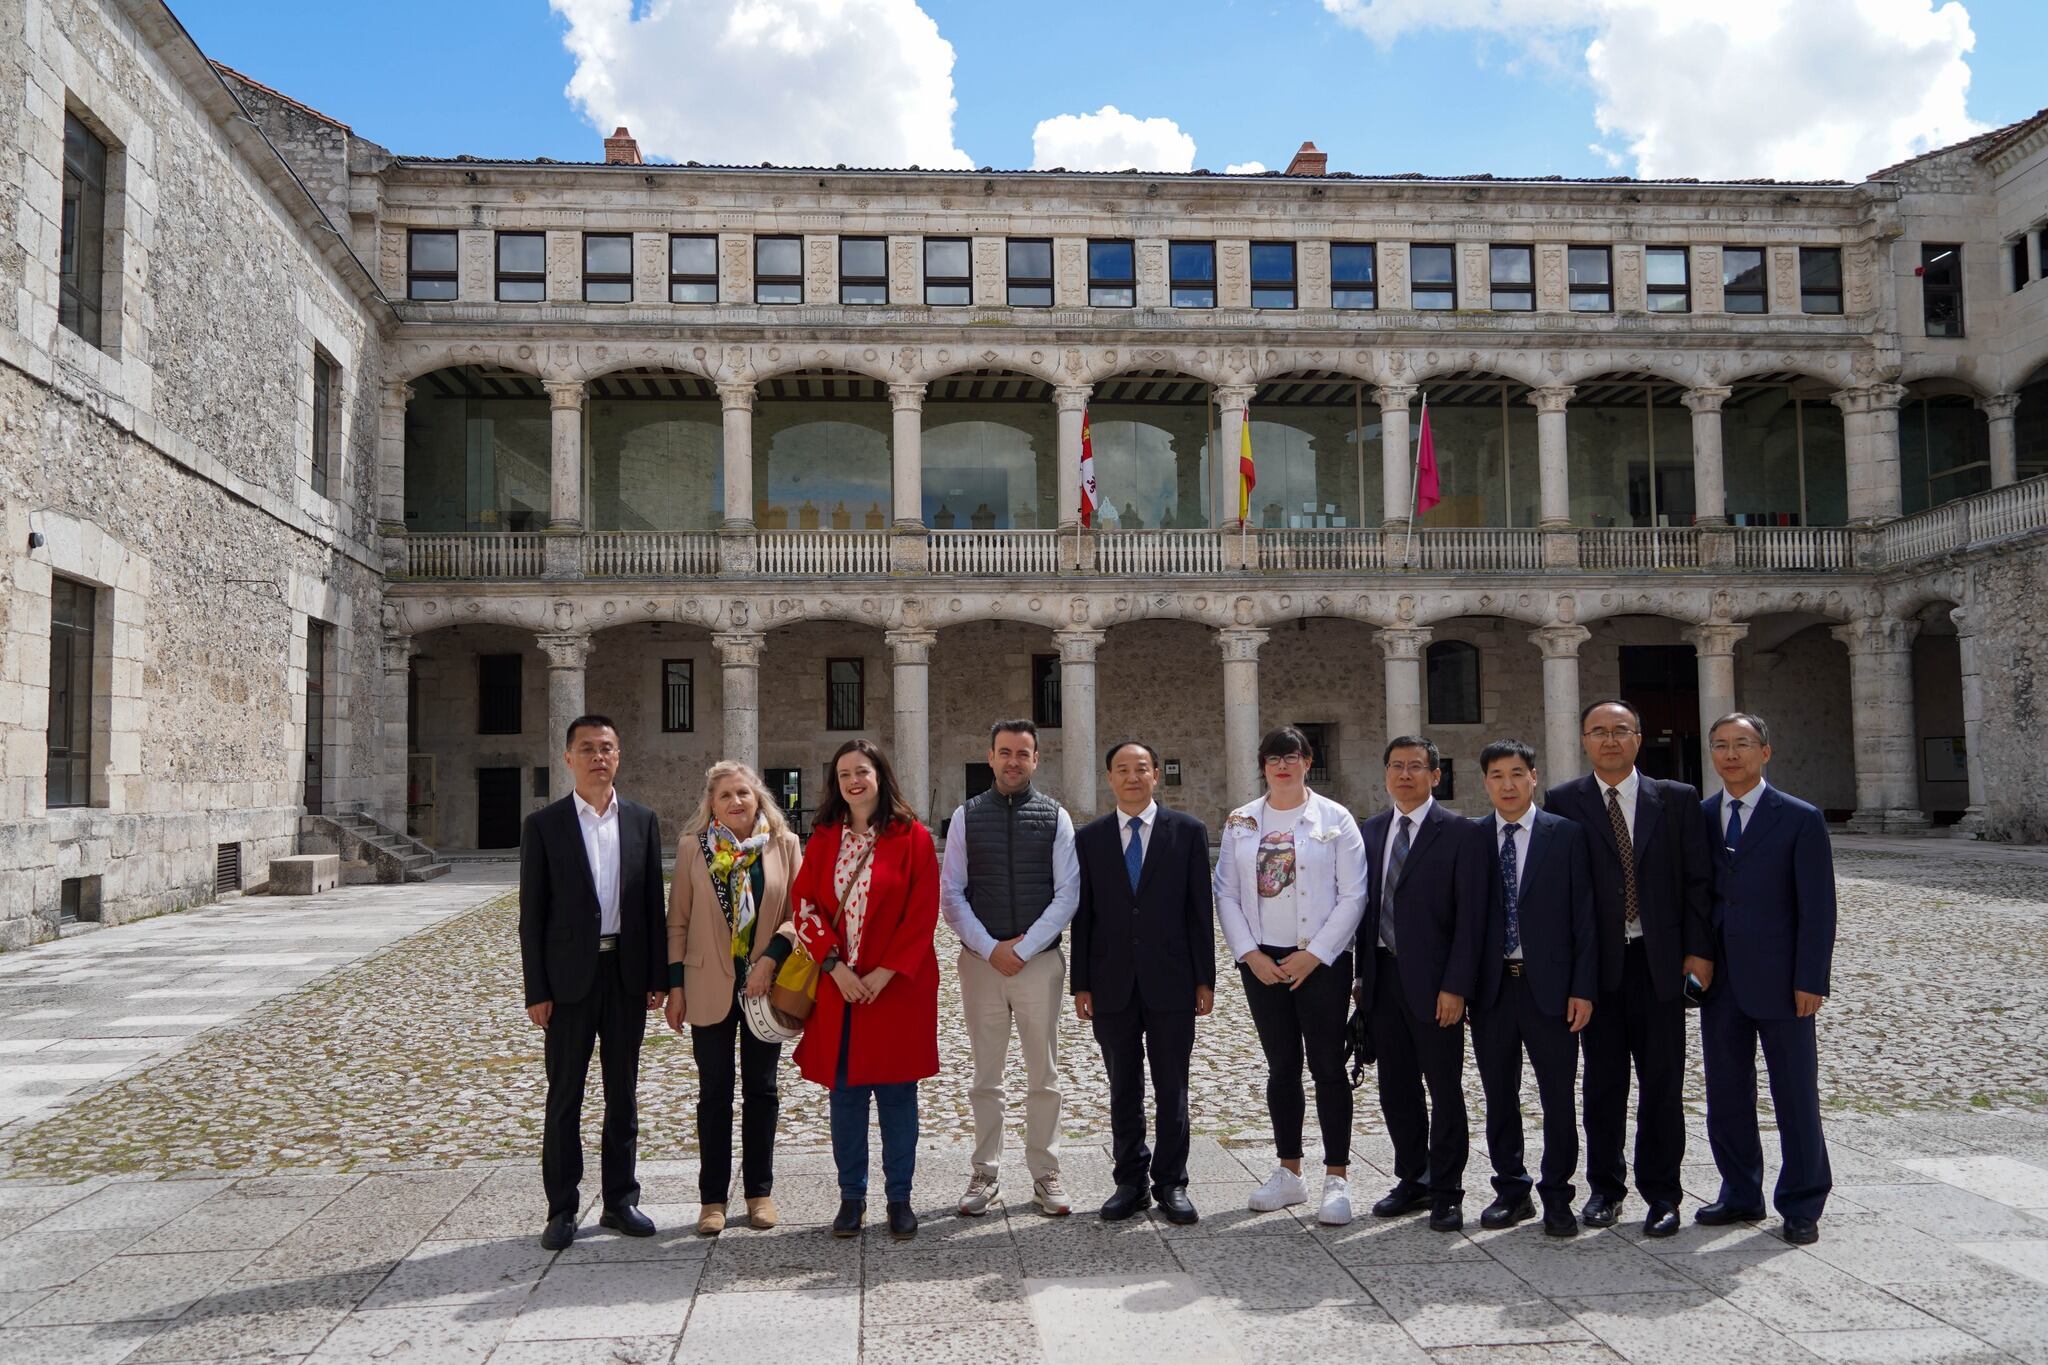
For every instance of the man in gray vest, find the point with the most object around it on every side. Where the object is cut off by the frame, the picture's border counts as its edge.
(1009, 887)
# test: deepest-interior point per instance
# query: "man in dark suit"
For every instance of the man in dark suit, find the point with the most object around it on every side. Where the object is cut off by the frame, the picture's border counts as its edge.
(1537, 978)
(1651, 882)
(593, 945)
(1774, 912)
(1418, 963)
(1144, 968)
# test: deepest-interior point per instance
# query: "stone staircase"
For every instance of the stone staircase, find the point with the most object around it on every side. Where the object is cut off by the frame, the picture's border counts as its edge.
(369, 851)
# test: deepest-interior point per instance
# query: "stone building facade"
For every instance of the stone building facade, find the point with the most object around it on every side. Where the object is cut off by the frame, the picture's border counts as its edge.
(756, 459)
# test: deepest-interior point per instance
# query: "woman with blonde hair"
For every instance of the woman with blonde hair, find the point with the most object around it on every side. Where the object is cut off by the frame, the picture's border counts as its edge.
(735, 862)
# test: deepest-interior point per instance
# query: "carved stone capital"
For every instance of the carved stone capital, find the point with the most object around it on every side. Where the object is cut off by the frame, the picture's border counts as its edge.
(911, 646)
(1073, 397)
(1240, 644)
(397, 394)
(1866, 398)
(906, 397)
(738, 649)
(564, 393)
(1403, 642)
(1877, 635)
(1967, 622)
(564, 651)
(1715, 639)
(1394, 396)
(1234, 396)
(1559, 642)
(1707, 397)
(1078, 646)
(736, 394)
(396, 652)
(1999, 407)
(1552, 397)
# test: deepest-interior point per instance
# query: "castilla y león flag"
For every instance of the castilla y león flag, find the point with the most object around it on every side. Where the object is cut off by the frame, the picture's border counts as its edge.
(1427, 493)
(1089, 498)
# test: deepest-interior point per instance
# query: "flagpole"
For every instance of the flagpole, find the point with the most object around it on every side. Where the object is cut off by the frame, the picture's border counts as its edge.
(1415, 481)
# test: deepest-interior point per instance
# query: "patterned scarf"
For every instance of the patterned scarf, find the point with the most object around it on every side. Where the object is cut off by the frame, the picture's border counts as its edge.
(732, 862)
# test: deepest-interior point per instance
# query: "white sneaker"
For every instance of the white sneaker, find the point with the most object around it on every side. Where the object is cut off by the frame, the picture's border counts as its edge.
(1282, 1188)
(1336, 1209)
(981, 1190)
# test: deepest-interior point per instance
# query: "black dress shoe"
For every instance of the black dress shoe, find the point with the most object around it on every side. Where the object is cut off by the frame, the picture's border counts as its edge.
(1405, 1197)
(902, 1222)
(1447, 1218)
(1720, 1213)
(1127, 1200)
(560, 1231)
(1661, 1221)
(628, 1220)
(1177, 1207)
(1600, 1212)
(1559, 1222)
(846, 1222)
(1502, 1213)
(1802, 1232)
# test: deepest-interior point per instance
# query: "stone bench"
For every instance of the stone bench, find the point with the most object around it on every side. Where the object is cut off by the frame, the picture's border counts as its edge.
(305, 874)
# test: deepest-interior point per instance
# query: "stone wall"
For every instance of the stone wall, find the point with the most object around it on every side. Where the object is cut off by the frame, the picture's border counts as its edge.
(2012, 661)
(1800, 686)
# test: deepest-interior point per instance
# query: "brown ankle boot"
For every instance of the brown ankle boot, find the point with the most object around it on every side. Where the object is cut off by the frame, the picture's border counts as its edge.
(710, 1220)
(761, 1212)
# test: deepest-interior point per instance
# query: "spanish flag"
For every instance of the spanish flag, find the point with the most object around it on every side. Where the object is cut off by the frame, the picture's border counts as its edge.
(1247, 472)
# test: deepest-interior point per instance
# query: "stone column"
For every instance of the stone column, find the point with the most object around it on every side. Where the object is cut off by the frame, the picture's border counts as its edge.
(395, 770)
(1404, 647)
(391, 405)
(1881, 712)
(1999, 411)
(1969, 622)
(906, 402)
(1080, 765)
(1559, 646)
(737, 400)
(1709, 476)
(1231, 402)
(1870, 438)
(1553, 458)
(911, 653)
(567, 655)
(1397, 494)
(1073, 408)
(1714, 646)
(1240, 648)
(739, 668)
(565, 464)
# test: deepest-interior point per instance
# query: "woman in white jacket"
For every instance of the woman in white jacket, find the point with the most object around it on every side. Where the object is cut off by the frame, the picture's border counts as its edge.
(1290, 889)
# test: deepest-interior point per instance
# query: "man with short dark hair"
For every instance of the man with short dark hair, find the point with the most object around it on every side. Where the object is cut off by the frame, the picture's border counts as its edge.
(1009, 887)
(593, 948)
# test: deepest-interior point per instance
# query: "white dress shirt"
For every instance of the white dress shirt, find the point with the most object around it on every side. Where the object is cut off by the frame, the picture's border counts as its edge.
(1046, 929)
(1626, 790)
(1749, 801)
(1523, 829)
(1320, 910)
(1416, 816)
(1146, 819)
(601, 847)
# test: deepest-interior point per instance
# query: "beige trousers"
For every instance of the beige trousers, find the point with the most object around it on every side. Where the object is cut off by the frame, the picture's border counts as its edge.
(1032, 1000)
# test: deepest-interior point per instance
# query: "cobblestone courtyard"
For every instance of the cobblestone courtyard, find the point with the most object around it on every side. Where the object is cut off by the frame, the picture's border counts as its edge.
(233, 1137)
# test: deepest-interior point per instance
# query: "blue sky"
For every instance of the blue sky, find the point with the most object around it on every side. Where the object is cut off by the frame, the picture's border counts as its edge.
(1247, 81)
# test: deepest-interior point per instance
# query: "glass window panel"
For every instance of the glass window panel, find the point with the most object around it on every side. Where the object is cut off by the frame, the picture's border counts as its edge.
(1431, 264)
(693, 256)
(778, 256)
(1354, 298)
(1820, 268)
(1030, 260)
(766, 292)
(1596, 301)
(1151, 463)
(610, 254)
(866, 256)
(1111, 298)
(1111, 261)
(946, 259)
(1516, 301)
(1604, 442)
(1273, 262)
(1588, 265)
(948, 295)
(1308, 465)
(656, 464)
(1491, 478)
(1760, 435)
(863, 293)
(1030, 296)
(698, 291)
(821, 464)
(991, 466)
(476, 464)
(1742, 268)
(1272, 298)
(82, 232)
(1515, 265)
(433, 289)
(1744, 303)
(1944, 451)
(1820, 303)
(523, 253)
(1433, 298)
(608, 291)
(1351, 263)
(1194, 298)
(433, 252)
(1193, 261)
(1668, 303)
(1664, 265)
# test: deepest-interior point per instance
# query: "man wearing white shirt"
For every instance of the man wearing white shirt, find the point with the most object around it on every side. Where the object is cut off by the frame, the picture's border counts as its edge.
(1009, 887)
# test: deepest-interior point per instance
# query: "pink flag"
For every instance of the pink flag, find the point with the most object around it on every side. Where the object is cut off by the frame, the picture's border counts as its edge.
(1427, 493)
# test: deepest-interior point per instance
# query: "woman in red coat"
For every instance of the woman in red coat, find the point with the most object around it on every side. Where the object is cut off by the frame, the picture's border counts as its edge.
(867, 901)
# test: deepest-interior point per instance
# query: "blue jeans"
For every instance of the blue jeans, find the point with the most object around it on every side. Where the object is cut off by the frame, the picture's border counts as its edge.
(896, 1109)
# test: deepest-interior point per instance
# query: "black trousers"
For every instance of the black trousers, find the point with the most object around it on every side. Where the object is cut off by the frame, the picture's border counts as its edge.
(1431, 1143)
(615, 1016)
(1294, 1024)
(1729, 1039)
(1633, 1025)
(1131, 1038)
(712, 1046)
(1514, 1023)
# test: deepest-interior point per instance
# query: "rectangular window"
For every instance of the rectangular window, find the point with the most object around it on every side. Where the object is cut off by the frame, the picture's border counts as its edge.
(78, 900)
(82, 239)
(1191, 266)
(778, 270)
(1322, 740)
(1045, 691)
(1820, 279)
(1941, 288)
(1667, 274)
(948, 274)
(1354, 275)
(1742, 280)
(500, 681)
(863, 270)
(692, 269)
(72, 608)
(317, 641)
(1434, 272)
(1112, 275)
(430, 262)
(323, 417)
(607, 267)
(1512, 271)
(2017, 250)
(845, 697)
(522, 267)
(1030, 271)
(1590, 272)
(1272, 274)
(678, 697)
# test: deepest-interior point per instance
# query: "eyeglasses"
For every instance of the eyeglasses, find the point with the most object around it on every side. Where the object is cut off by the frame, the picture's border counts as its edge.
(1287, 760)
(597, 751)
(1735, 746)
(1603, 734)
(1408, 769)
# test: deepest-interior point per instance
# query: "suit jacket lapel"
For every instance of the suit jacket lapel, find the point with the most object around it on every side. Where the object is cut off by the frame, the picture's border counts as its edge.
(1152, 852)
(1756, 821)
(1649, 815)
(572, 819)
(1594, 793)
(1424, 836)
(1539, 844)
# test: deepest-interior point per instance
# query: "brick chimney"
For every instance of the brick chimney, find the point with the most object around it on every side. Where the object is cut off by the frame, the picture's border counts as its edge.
(621, 150)
(1307, 161)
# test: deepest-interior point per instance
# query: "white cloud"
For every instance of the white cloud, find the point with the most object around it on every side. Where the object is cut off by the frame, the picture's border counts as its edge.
(1245, 168)
(1111, 140)
(1736, 88)
(796, 82)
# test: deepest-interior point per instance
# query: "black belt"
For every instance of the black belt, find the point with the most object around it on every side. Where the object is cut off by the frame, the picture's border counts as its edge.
(607, 943)
(1634, 942)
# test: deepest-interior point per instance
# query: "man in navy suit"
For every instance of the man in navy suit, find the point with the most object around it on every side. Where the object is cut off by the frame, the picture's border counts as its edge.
(1537, 977)
(1144, 968)
(1774, 910)
(1652, 880)
(1418, 963)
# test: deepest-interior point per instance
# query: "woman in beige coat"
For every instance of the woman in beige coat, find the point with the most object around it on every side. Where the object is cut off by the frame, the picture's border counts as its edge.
(735, 862)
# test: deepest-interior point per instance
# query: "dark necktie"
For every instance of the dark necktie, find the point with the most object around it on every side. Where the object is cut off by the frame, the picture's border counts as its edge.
(1510, 890)
(1628, 856)
(1134, 851)
(1394, 866)
(1734, 838)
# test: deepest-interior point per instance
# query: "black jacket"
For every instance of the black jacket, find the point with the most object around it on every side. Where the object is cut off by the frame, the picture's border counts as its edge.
(558, 914)
(1439, 910)
(1554, 903)
(1160, 941)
